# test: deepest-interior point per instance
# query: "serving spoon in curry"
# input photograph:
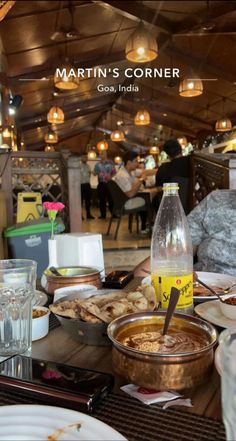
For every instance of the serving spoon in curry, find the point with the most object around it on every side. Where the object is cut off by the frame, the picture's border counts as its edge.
(174, 297)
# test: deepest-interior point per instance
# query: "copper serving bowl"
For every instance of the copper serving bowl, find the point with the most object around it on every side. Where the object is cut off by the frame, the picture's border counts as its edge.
(72, 275)
(161, 371)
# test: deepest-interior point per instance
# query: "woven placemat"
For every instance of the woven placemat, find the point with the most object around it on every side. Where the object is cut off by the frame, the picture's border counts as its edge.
(138, 422)
(53, 322)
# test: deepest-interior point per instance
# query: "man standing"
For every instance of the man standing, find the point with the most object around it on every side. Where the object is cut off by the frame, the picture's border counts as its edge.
(104, 170)
(85, 173)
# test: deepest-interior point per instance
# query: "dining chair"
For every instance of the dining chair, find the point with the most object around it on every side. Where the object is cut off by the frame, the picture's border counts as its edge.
(119, 199)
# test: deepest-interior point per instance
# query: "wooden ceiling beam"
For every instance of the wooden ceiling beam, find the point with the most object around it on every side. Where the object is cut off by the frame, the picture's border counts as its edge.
(50, 70)
(161, 120)
(200, 64)
(83, 104)
(194, 21)
(137, 11)
(37, 145)
(69, 117)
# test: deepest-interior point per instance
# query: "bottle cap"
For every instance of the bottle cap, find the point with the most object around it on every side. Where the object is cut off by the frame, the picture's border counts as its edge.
(170, 186)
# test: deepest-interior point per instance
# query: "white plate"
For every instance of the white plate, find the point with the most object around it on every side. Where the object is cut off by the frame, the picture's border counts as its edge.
(35, 422)
(66, 290)
(211, 311)
(214, 279)
(40, 298)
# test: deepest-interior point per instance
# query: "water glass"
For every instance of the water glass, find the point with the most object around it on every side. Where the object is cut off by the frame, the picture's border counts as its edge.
(228, 381)
(17, 288)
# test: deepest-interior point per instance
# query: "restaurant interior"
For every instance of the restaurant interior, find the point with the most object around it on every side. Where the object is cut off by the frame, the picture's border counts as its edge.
(101, 80)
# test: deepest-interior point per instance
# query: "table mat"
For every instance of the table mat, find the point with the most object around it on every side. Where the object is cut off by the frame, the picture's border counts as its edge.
(53, 322)
(139, 422)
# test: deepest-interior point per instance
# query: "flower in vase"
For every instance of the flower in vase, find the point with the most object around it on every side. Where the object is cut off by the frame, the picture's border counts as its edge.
(52, 210)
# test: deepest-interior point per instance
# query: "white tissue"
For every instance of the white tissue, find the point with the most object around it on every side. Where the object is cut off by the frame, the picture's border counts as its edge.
(148, 396)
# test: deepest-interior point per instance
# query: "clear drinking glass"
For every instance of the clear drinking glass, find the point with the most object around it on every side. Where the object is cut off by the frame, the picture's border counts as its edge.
(17, 287)
(227, 342)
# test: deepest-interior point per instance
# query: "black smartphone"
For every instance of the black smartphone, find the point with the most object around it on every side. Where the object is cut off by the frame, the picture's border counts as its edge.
(55, 383)
(118, 279)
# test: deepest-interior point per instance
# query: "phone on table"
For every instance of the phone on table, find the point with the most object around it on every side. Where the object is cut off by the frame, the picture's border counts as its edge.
(55, 383)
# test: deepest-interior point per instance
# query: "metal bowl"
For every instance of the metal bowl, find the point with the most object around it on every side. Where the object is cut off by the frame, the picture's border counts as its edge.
(161, 371)
(72, 275)
(87, 333)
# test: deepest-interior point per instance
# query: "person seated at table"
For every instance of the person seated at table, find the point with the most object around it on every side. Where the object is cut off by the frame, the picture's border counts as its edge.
(177, 169)
(130, 185)
(212, 225)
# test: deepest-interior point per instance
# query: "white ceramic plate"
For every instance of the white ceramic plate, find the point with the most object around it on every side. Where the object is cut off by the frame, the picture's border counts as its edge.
(34, 422)
(211, 311)
(211, 279)
(40, 298)
(66, 290)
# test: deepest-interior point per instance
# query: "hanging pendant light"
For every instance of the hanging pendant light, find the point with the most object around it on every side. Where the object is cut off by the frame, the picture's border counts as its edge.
(51, 137)
(141, 46)
(49, 148)
(92, 154)
(190, 87)
(142, 118)
(118, 160)
(102, 145)
(55, 115)
(65, 78)
(117, 136)
(222, 125)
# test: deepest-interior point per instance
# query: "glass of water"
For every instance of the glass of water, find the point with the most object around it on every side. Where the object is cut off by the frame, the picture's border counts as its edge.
(17, 288)
(227, 342)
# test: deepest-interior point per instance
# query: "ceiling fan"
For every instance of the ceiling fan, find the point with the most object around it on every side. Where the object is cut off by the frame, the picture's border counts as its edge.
(66, 32)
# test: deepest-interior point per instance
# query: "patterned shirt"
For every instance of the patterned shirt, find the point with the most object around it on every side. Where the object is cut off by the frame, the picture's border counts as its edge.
(213, 228)
(104, 169)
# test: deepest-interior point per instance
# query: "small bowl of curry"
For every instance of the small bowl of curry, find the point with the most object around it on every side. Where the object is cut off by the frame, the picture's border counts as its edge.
(228, 306)
(40, 322)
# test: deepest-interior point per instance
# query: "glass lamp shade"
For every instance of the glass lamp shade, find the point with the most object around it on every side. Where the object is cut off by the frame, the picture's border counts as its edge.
(118, 160)
(154, 150)
(51, 137)
(55, 115)
(117, 136)
(190, 87)
(222, 125)
(141, 46)
(65, 78)
(142, 118)
(92, 154)
(49, 148)
(102, 145)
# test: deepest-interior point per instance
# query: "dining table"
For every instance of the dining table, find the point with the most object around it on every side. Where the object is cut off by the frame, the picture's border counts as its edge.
(135, 420)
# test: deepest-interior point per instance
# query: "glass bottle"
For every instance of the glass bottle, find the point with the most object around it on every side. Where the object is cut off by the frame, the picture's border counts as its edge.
(171, 252)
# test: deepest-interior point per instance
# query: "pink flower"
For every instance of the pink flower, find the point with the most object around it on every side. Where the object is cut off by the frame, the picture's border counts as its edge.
(55, 206)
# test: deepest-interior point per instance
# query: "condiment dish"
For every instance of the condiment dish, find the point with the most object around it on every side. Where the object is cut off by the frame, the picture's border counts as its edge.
(228, 306)
(40, 322)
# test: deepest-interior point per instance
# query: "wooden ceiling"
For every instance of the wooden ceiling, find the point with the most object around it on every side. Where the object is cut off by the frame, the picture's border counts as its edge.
(195, 36)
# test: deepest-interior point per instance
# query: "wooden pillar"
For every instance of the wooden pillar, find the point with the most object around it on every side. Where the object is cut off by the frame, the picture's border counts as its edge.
(75, 206)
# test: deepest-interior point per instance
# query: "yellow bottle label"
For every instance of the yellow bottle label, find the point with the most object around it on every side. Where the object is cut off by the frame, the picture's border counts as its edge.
(163, 285)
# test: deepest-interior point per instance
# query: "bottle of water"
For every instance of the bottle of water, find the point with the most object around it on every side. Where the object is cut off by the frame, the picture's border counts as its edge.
(171, 252)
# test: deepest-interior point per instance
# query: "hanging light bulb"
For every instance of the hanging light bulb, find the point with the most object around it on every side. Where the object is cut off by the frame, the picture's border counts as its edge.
(141, 46)
(222, 125)
(49, 148)
(117, 136)
(102, 145)
(65, 78)
(142, 118)
(55, 115)
(51, 137)
(190, 87)
(118, 160)
(92, 154)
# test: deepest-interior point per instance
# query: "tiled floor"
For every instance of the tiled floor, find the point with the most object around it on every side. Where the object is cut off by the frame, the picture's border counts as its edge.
(125, 238)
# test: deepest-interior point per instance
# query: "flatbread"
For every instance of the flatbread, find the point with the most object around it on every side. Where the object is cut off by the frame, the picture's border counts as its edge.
(106, 307)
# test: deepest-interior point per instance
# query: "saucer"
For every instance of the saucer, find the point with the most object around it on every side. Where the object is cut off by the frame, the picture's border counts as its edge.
(211, 312)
